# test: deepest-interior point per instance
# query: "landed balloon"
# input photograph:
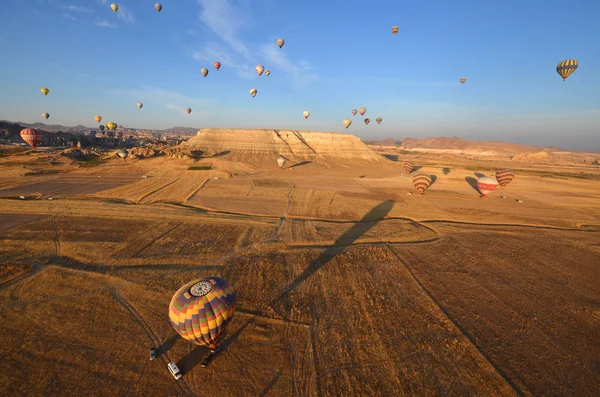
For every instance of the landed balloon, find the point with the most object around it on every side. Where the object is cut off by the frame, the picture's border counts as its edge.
(354, 111)
(201, 310)
(188, 110)
(204, 72)
(378, 120)
(347, 123)
(260, 69)
(281, 161)
(306, 113)
(566, 68)
(98, 119)
(32, 136)
(45, 115)
(463, 80)
(421, 182)
(123, 153)
(217, 65)
(111, 126)
(505, 176)
(486, 185)
(268, 72)
(408, 167)
(114, 7)
(158, 7)
(280, 42)
(253, 92)
(362, 111)
(45, 91)
(140, 105)
(367, 121)
(395, 30)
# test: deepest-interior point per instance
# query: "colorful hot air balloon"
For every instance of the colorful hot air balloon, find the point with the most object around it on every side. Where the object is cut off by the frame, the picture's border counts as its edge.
(463, 80)
(378, 120)
(111, 126)
(306, 113)
(253, 92)
(408, 167)
(347, 123)
(395, 30)
(217, 65)
(566, 68)
(158, 7)
(268, 72)
(45, 91)
(98, 119)
(45, 115)
(486, 185)
(204, 72)
(140, 105)
(354, 111)
(421, 182)
(260, 69)
(504, 177)
(281, 161)
(123, 153)
(362, 111)
(188, 110)
(32, 136)
(367, 121)
(280, 42)
(114, 7)
(201, 310)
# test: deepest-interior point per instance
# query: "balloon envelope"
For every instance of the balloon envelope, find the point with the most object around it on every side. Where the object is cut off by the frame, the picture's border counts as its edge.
(566, 68)
(281, 161)
(140, 105)
(268, 72)
(354, 111)
(347, 123)
(280, 42)
(463, 80)
(45, 115)
(217, 65)
(45, 91)
(253, 92)
(114, 7)
(395, 29)
(421, 182)
(408, 167)
(379, 120)
(188, 110)
(260, 69)
(306, 113)
(123, 153)
(367, 121)
(362, 111)
(98, 119)
(505, 176)
(201, 310)
(111, 126)
(32, 136)
(204, 72)
(486, 185)
(158, 7)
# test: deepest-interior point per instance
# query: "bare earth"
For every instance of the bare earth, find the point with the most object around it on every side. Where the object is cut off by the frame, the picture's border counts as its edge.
(346, 284)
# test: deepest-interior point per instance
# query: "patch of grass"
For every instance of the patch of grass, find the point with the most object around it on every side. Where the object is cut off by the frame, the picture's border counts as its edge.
(362, 176)
(42, 172)
(200, 168)
(92, 161)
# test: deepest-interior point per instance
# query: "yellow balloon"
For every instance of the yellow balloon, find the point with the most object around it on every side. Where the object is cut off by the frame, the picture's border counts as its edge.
(45, 91)
(463, 80)
(98, 119)
(114, 7)
(347, 123)
(253, 92)
(268, 72)
(111, 126)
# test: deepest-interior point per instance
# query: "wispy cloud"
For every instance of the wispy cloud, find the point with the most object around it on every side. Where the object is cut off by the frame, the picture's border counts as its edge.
(214, 52)
(69, 16)
(225, 20)
(125, 15)
(413, 83)
(76, 8)
(103, 23)
(300, 73)
(169, 99)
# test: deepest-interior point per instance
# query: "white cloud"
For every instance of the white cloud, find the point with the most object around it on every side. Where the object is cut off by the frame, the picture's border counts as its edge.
(75, 8)
(69, 16)
(105, 24)
(225, 20)
(125, 15)
(214, 52)
(169, 99)
(299, 72)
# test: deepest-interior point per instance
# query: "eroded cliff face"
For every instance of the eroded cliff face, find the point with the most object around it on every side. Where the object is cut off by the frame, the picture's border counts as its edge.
(300, 145)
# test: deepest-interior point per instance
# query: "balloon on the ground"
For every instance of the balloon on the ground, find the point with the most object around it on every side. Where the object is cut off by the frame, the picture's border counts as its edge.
(281, 161)
(158, 7)
(306, 113)
(566, 68)
(378, 120)
(98, 119)
(201, 310)
(45, 91)
(505, 176)
(123, 153)
(280, 42)
(45, 115)
(486, 185)
(367, 121)
(32, 136)
(408, 167)
(362, 111)
(347, 123)
(188, 110)
(217, 65)
(114, 7)
(204, 72)
(463, 80)
(260, 69)
(354, 111)
(395, 30)
(253, 92)
(421, 182)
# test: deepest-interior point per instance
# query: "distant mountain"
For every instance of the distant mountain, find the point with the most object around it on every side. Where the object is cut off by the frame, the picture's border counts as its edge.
(58, 127)
(183, 130)
(383, 142)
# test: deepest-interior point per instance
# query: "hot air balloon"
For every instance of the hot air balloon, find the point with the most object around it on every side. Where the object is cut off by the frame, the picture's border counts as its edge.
(362, 111)
(486, 185)
(204, 72)
(114, 7)
(347, 123)
(201, 310)
(45, 115)
(566, 68)
(253, 92)
(123, 153)
(367, 121)
(395, 30)
(354, 111)
(281, 161)
(378, 120)
(32, 136)
(101, 127)
(408, 167)
(111, 126)
(260, 69)
(306, 113)
(268, 72)
(111, 134)
(421, 182)
(463, 80)
(158, 7)
(98, 119)
(188, 110)
(140, 105)
(120, 134)
(280, 42)
(504, 177)
(45, 91)
(217, 65)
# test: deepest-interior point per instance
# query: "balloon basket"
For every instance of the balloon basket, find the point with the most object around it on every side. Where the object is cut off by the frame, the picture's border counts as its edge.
(207, 358)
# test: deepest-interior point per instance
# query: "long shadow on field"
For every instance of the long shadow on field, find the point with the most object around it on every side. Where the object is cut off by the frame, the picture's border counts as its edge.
(446, 171)
(190, 360)
(300, 164)
(473, 182)
(479, 175)
(433, 179)
(354, 233)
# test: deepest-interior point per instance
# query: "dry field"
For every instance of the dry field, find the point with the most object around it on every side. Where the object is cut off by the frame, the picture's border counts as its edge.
(346, 285)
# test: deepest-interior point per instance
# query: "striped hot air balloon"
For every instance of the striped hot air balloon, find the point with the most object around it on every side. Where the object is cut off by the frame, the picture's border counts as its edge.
(408, 167)
(504, 177)
(486, 185)
(32, 136)
(421, 182)
(201, 310)
(566, 68)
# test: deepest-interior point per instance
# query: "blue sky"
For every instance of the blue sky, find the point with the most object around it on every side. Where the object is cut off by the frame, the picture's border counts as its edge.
(338, 55)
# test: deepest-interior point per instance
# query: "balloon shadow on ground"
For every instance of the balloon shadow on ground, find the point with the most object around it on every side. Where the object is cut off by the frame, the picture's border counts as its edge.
(220, 154)
(167, 345)
(433, 179)
(473, 183)
(446, 171)
(301, 164)
(479, 175)
(416, 168)
(190, 360)
(393, 157)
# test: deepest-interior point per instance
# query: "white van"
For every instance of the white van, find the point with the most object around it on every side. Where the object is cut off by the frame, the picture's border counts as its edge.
(174, 370)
